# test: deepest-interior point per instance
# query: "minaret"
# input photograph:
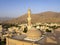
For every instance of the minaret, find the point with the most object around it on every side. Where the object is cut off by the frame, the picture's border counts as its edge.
(29, 19)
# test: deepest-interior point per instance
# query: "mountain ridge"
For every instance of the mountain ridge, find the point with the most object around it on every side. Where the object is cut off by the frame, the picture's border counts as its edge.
(43, 17)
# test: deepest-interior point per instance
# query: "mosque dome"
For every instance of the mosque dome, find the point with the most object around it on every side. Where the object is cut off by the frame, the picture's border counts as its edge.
(33, 34)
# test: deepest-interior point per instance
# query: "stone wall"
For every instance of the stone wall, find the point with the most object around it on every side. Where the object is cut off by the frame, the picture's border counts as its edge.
(10, 41)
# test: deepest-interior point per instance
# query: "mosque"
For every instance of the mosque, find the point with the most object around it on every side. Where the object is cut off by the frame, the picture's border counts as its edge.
(33, 36)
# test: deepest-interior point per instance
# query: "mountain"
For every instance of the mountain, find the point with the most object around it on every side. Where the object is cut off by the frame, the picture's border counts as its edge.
(43, 17)
(3, 19)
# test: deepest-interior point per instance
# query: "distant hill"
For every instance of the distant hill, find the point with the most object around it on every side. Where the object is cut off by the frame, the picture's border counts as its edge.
(3, 19)
(43, 17)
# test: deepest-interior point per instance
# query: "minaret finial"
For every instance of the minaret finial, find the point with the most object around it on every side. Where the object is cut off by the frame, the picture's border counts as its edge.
(29, 12)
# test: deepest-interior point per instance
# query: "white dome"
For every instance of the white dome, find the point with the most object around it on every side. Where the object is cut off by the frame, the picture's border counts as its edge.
(33, 34)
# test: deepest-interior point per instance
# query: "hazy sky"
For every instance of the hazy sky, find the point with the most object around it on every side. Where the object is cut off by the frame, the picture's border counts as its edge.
(15, 8)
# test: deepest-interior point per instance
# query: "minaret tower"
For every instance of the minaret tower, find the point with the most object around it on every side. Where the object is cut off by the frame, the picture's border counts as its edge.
(29, 19)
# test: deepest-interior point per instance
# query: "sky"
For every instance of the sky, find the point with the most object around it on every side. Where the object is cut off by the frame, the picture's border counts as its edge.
(16, 8)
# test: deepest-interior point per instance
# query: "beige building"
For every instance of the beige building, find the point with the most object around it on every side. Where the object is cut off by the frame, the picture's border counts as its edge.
(32, 37)
(0, 28)
(13, 29)
(12, 41)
